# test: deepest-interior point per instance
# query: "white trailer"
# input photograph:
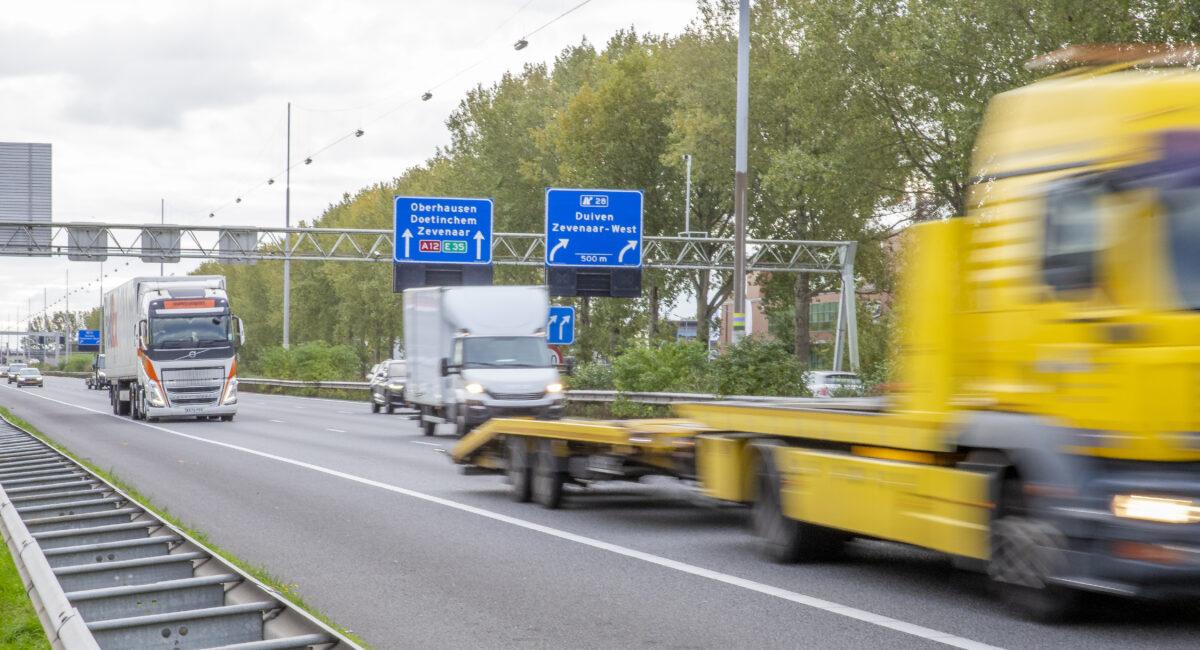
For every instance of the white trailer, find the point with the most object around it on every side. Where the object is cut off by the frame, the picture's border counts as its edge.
(479, 352)
(171, 348)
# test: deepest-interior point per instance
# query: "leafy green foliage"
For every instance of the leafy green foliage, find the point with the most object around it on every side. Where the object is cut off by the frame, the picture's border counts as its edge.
(670, 368)
(756, 366)
(313, 361)
(78, 363)
(594, 375)
(19, 625)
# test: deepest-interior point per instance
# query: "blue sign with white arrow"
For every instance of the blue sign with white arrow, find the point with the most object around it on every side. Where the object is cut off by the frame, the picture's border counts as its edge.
(561, 328)
(89, 337)
(443, 230)
(593, 227)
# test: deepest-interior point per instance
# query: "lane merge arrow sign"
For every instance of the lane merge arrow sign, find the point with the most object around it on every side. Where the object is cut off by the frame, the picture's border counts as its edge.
(443, 230)
(561, 328)
(601, 228)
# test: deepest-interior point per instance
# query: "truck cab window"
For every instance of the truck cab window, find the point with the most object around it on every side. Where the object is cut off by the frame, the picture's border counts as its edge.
(1073, 233)
(1182, 206)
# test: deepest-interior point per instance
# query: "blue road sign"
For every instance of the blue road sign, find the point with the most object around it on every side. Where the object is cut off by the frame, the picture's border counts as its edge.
(89, 337)
(561, 328)
(593, 227)
(443, 230)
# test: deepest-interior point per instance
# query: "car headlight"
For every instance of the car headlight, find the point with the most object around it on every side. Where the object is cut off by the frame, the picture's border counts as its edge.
(230, 396)
(474, 388)
(555, 387)
(154, 396)
(395, 386)
(1170, 511)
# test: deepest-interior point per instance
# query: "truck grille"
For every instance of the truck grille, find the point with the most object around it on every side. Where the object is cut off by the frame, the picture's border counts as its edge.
(516, 396)
(194, 386)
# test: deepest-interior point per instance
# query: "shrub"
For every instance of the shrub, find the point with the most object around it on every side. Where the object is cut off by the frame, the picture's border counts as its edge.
(595, 375)
(673, 367)
(754, 366)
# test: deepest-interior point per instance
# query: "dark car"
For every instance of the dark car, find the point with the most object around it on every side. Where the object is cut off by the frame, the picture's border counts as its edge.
(14, 369)
(29, 377)
(387, 386)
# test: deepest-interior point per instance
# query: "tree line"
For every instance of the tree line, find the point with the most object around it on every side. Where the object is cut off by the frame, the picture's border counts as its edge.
(862, 117)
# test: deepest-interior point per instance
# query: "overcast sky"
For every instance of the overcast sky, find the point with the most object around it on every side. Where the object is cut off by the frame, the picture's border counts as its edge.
(186, 102)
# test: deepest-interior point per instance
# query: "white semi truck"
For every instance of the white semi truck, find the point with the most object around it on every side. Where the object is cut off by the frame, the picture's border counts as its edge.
(171, 348)
(476, 353)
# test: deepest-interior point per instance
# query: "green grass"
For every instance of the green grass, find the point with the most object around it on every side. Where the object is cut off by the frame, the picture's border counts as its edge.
(287, 590)
(19, 625)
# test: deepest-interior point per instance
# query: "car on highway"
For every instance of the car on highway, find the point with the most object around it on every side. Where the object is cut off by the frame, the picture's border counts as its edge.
(831, 383)
(29, 377)
(387, 386)
(14, 369)
(3, 371)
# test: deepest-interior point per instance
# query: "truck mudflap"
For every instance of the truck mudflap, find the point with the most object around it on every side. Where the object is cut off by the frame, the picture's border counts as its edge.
(485, 446)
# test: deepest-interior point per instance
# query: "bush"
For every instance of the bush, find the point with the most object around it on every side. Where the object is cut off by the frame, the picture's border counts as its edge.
(312, 361)
(754, 366)
(595, 375)
(673, 367)
(81, 362)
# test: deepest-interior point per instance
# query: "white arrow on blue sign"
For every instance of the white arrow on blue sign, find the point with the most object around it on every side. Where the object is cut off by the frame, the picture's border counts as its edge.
(561, 328)
(593, 227)
(443, 230)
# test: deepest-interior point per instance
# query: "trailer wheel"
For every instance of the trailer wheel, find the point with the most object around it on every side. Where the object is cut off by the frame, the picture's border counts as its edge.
(1026, 554)
(520, 473)
(547, 478)
(785, 539)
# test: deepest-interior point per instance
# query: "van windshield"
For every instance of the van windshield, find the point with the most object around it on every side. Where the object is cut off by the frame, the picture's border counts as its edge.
(190, 331)
(505, 352)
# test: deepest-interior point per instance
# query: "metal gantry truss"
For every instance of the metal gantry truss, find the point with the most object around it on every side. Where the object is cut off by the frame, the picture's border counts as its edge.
(155, 243)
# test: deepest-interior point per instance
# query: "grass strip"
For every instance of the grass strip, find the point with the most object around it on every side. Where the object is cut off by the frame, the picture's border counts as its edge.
(20, 628)
(290, 591)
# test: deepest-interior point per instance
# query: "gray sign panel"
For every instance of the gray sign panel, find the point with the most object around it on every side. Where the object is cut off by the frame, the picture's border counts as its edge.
(160, 245)
(87, 244)
(237, 247)
(25, 196)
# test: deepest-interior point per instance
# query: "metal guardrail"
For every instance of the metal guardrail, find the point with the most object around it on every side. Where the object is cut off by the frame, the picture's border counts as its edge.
(104, 572)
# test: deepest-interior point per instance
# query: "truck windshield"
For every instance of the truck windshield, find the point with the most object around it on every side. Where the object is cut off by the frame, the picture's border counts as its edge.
(190, 331)
(505, 352)
(1183, 232)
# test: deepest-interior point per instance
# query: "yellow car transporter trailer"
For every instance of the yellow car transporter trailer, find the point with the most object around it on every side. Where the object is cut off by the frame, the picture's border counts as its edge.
(1049, 430)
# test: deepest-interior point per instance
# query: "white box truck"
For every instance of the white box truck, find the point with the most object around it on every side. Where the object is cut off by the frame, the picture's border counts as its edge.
(476, 353)
(171, 348)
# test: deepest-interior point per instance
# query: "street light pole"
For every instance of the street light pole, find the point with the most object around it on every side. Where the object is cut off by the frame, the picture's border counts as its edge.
(740, 180)
(162, 220)
(287, 223)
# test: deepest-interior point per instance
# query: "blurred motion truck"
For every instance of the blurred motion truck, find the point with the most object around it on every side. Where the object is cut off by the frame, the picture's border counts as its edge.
(1048, 431)
(171, 348)
(476, 353)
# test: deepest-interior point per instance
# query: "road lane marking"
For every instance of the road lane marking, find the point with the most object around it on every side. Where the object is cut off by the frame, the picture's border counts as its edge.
(422, 442)
(277, 421)
(335, 430)
(829, 606)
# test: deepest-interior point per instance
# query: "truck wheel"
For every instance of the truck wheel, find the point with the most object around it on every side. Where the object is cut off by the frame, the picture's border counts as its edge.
(547, 479)
(1026, 554)
(785, 539)
(426, 426)
(520, 473)
(374, 405)
(390, 409)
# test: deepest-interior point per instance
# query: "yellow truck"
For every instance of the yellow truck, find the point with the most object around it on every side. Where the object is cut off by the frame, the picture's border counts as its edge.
(1048, 427)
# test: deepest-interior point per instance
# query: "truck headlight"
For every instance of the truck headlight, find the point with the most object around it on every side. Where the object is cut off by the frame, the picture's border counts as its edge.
(474, 388)
(396, 387)
(154, 395)
(556, 387)
(230, 396)
(1170, 511)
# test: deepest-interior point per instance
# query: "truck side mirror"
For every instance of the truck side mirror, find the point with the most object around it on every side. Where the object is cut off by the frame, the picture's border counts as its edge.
(140, 331)
(241, 332)
(445, 366)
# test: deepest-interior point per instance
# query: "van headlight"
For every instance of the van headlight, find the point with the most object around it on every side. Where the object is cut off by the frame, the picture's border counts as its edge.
(154, 395)
(395, 386)
(230, 396)
(555, 387)
(474, 388)
(1169, 511)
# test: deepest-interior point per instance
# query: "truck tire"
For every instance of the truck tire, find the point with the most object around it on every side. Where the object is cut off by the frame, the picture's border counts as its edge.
(1026, 553)
(427, 427)
(374, 405)
(519, 469)
(547, 488)
(784, 539)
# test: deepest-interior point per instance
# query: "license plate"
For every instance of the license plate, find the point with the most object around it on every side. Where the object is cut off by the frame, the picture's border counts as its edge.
(193, 409)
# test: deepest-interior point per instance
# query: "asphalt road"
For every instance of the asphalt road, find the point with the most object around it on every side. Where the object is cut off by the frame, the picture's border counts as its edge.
(376, 529)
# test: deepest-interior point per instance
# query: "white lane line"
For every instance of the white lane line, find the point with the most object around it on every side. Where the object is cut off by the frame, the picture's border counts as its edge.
(422, 442)
(872, 618)
(336, 430)
(278, 421)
